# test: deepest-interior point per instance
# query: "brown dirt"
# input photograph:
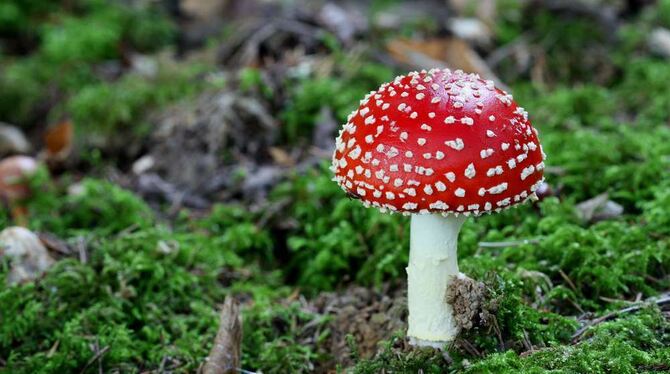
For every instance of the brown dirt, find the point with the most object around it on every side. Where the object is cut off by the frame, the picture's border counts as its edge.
(370, 316)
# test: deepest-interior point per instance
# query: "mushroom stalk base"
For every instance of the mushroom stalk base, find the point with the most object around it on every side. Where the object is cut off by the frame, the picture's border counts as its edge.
(432, 265)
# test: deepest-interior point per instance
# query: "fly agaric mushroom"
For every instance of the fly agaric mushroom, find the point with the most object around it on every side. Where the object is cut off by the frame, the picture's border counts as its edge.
(439, 146)
(14, 172)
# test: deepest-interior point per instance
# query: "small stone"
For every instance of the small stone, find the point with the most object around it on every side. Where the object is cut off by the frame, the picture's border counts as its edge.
(659, 42)
(29, 258)
(471, 29)
(12, 140)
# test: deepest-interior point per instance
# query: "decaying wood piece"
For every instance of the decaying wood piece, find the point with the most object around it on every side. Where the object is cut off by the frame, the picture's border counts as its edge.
(224, 358)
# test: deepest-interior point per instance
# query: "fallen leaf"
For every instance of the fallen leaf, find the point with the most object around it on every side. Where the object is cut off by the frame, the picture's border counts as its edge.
(54, 243)
(58, 140)
(281, 157)
(448, 52)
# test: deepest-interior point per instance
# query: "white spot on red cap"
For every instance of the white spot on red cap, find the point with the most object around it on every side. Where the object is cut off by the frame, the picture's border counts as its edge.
(467, 121)
(498, 189)
(456, 144)
(470, 171)
(484, 153)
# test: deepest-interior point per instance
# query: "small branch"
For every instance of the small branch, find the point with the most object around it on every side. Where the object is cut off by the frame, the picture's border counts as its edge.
(224, 358)
(98, 355)
(80, 247)
(610, 300)
(514, 243)
(496, 328)
(526, 341)
(53, 349)
(471, 349)
(568, 280)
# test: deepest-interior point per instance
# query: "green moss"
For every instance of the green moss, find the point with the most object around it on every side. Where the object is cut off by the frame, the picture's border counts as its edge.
(100, 33)
(18, 18)
(349, 243)
(391, 357)
(131, 95)
(251, 80)
(66, 44)
(274, 339)
(92, 207)
(149, 293)
(309, 94)
(642, 91)
(145, 293)
(130, 291)
(633, 344)
(514, 321)
(235, 228)
(83, 39)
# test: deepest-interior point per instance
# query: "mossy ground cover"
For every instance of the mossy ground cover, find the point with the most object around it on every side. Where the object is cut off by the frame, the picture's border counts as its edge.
(145, 290)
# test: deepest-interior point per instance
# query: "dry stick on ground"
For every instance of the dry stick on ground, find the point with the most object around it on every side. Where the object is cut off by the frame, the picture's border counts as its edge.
(224, 358)
(514, 243)
(663, 302)
(572, 286)
(98, 355)
(469, 347)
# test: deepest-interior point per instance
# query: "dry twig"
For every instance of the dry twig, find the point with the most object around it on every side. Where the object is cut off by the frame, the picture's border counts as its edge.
(514, 243)
(224, 358)
(98, 356)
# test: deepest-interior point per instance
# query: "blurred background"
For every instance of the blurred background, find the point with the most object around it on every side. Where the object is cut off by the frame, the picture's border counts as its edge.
(177, 152)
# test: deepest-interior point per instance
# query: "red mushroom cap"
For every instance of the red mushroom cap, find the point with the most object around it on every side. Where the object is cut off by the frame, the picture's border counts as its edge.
(439, 141)
(13, 173)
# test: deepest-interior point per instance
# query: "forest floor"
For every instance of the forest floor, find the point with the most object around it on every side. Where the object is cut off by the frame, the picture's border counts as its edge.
(184, 150)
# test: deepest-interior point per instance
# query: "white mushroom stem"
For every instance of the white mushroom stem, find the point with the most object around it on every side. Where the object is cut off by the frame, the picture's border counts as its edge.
(433, 263)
